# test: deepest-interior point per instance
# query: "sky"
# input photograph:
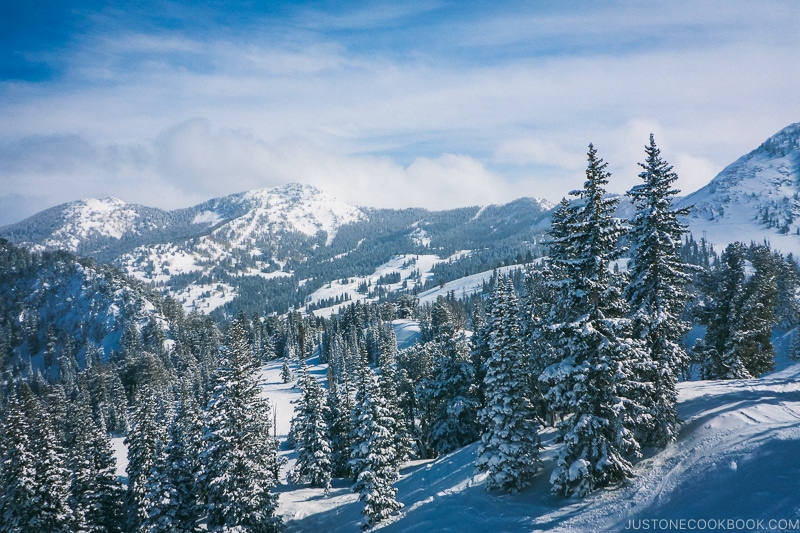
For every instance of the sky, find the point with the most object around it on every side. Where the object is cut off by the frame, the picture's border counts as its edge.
(382, 104)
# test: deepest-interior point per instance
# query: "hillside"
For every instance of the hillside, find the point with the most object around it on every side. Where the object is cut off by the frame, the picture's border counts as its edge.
(734, 460)
(755, 198)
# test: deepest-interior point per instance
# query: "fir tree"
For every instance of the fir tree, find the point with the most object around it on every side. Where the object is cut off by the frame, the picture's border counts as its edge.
(146, 442)
(449, 393)
(509, 450)
(656, 294)
(595, 379)
(313, 448)
(340, 406)
(172, 483)
(739, 314)
(35, 480)
(96, 495)
(286, 371)
(374, 456)
(240, 463)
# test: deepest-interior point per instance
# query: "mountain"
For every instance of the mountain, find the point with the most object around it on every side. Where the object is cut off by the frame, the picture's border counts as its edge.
(755, 198)
(55, 299)
(273, 249)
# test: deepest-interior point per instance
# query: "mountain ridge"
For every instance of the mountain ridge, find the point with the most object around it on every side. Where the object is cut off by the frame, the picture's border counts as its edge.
(284, 244)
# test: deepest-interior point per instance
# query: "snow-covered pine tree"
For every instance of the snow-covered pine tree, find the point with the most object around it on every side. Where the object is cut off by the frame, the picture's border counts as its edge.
(34, 480)
(538, 309)
(240, 463)
(595, 379)
(286, 371)
(173, 483)
(96, 496)
(146, 442)
(758, 316)
(794, 347)
(387, 387)
(739, 314)
(656, 294)
(340, 405)
(509, 450)
(450, 393)
(374, 456)
(313, 446)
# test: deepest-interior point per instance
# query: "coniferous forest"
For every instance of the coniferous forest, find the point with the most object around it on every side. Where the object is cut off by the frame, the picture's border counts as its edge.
(592, 339)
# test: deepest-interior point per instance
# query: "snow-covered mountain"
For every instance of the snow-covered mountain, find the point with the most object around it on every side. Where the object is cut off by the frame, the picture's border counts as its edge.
(274, 249)
(291, 208)
(756, 198)
(57, 297)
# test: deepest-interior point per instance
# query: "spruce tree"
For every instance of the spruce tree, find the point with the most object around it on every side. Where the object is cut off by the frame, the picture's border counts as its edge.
(595, 379)
(146, 443)
(739, 314)
(374, 455)
(340, 405)
(96, 496)
(657, 295)
(450, 393)
(172, 483)
(509, 450)
(313, 447)
(35, 479)
(240, 463)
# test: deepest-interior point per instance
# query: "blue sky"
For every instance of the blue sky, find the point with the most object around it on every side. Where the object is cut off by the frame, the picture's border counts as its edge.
(433, 104)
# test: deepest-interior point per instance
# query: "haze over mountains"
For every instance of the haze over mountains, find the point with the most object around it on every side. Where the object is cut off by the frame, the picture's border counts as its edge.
(289, 243)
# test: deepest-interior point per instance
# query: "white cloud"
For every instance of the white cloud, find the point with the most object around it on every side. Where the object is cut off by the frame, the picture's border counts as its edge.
(382, 127)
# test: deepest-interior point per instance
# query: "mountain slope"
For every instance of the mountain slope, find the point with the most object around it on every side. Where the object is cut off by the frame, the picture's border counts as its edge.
(756, 198)
(734, 460)
(49, 300)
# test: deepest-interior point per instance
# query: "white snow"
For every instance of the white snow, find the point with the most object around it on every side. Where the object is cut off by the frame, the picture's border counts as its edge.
(90, 218)
(296, 207)
(465, 286)
(735, 460)
(407, 265)
(120, 455)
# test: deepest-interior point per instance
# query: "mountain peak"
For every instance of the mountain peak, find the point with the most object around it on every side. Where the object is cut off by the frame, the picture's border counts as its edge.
(757, 197)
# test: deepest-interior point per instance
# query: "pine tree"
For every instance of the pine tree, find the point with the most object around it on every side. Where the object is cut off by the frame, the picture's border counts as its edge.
(313, 448)
(286, 371)
(35, 480)
(146, 443)
(656, 294)
(172, 483)
(240, 463)
(739, 314)
(509, 450)
(449, 393)
(340, 406)
(374, 456)
(96, 495)
(595, 379)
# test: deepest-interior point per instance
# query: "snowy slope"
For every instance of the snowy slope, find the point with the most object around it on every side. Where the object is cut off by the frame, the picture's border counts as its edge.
(755, 198)
(736, 459)
(413, 269)
(292, 207)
